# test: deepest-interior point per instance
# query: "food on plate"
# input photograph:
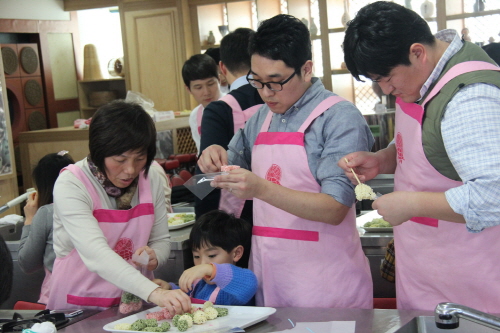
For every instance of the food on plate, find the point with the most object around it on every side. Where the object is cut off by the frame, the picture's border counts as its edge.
(207, 305)
(187, 318)
(181, 218)
(138, 325)
(212, 313)
(221, 312)
(182, 325)
(377, 223)
(227, 168)
(175, 320)
(152, 329)
(165, 326)
(364, 192)
(123, 327)
(199, 317)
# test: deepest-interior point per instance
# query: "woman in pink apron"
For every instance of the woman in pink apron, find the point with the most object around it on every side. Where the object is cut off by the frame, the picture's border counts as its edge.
(106, 208)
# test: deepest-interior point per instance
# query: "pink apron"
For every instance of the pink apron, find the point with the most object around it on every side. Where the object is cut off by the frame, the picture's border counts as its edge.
(298, 262)
(44, 293)
(199, 117)
(125, 230)
(212, 298)
(228, 202)
(439, 261)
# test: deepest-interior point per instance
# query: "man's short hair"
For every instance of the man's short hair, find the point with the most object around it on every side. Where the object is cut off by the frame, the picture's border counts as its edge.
(199, 67)
(379, 38)
(283, 37)
(234, 50)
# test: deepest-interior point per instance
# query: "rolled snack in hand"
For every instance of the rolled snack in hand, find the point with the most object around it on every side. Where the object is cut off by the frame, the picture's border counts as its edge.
(364, 192)
(227, 168)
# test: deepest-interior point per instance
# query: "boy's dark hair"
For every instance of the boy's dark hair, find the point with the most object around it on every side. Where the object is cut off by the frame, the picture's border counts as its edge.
(214, 53)
(218, 228)
(379, 38)
(45, 174)
(118, 127)
(234, 50)
(283, 37)
(199, 67)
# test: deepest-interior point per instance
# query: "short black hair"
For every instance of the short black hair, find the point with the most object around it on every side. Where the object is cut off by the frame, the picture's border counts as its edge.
(118, 127)
(234, 50)
(493, 50)
(379, 38)
(45, 175)
(214, 53)
(218, 228)
(283, 37)
(199, 67)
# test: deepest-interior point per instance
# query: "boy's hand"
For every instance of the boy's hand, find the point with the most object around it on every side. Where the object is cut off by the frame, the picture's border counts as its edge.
(192, 274)
(163, 284)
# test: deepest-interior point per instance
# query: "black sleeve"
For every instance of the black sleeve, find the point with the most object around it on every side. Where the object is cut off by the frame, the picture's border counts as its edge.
(216, 129)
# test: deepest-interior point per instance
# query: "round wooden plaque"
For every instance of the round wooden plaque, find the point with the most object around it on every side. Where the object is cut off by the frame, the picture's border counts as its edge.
(36, 121)
(9, 60)
(29, 60)
(33, 92)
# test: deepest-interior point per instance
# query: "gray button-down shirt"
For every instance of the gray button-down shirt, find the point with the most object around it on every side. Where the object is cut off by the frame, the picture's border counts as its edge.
(338, 131)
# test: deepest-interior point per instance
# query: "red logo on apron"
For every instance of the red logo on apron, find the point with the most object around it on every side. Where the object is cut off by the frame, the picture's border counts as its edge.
(124, 248)
(399, 147)
(274, 174)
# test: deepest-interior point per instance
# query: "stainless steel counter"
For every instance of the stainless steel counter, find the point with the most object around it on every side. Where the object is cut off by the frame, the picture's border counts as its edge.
(367, 321)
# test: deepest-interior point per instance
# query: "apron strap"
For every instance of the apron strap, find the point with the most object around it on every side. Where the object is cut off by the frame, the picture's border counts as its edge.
(319, 110)
(199, 117)
(78, 172)
(232, 102)
(458, 69)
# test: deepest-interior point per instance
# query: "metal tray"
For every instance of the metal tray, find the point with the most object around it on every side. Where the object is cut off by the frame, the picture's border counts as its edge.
(368, 229)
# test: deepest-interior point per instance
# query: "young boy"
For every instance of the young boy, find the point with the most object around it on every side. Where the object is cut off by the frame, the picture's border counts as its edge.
(201, 77)
(218, 241)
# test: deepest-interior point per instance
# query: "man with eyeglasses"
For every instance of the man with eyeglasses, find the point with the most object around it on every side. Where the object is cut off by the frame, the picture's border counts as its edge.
(306, 250)
(223, 118)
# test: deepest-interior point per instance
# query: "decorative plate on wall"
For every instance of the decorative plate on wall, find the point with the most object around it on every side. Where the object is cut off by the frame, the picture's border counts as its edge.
(29, 60)
(36, 121)
(9, 60)
(33, 92)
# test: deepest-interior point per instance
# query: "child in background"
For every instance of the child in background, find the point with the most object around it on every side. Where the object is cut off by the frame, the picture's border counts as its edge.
(36, 246)
(218, 241)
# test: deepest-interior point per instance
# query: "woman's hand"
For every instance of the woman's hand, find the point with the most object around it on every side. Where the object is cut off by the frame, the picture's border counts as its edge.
(192, 274)
(176, 301)
(212, 158)
(163, 284)
(241, 183)
(31, 207)
(153, 261)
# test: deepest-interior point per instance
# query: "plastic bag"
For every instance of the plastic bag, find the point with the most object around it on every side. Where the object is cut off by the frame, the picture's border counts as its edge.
(200, 184)
(129, 302)
(146, 103)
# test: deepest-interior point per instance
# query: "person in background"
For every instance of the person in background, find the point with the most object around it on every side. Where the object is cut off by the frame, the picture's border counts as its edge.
(6, 271)
(445, 157)
(218, 241)
(201, 77)
(107, 207)
(36, 249)
(304, 227)
(493, 50)
(214, 52)
(222, 119)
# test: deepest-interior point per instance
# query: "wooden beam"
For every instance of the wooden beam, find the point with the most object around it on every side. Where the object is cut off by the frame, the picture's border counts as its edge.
(74, 5)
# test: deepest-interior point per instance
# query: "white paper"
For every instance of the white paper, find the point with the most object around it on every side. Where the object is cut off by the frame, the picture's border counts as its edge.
(323, 327)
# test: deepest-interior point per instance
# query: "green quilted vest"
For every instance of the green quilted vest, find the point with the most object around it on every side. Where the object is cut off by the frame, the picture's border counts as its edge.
(432, 139)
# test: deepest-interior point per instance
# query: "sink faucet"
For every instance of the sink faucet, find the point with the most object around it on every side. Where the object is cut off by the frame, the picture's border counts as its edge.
(447, 315)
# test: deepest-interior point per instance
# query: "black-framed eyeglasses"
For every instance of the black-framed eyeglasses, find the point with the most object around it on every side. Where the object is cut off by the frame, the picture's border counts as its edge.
(274, 86)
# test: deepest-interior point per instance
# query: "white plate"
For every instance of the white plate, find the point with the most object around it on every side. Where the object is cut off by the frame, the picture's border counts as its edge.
(238, 316)
(179, 226)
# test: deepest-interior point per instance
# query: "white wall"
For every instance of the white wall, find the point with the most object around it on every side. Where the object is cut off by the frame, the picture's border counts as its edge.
(33, 10)
(101, 27)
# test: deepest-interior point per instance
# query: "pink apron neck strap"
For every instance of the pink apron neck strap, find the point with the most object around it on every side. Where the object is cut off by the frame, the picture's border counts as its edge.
(319, 110)
(461, 68)
(232, 102)
(78, 172)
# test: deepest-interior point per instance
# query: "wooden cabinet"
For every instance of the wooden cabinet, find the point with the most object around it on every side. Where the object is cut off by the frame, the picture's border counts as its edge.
(85, 88)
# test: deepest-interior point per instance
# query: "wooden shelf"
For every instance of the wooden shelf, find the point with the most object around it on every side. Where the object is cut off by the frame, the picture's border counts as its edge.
(85, 87)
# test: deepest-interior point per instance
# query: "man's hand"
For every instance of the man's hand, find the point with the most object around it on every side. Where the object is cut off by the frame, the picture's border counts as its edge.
(241, 183)
(365, 164)
(212, 158)
(396, 207)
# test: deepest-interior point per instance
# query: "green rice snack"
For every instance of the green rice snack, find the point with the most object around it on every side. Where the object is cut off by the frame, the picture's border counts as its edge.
(182, 325)
(222, 312)
(165, 326)
(175, 320)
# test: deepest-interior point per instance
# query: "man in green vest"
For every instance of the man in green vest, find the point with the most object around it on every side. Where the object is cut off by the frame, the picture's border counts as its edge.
(445, 155)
